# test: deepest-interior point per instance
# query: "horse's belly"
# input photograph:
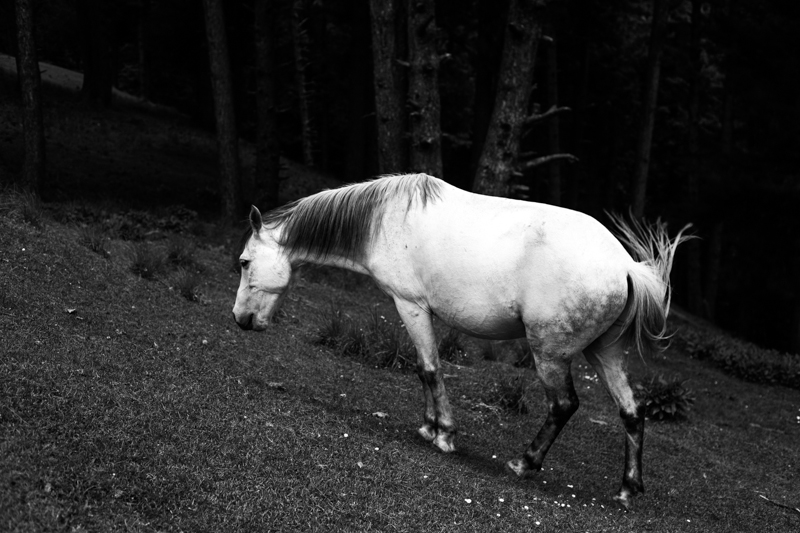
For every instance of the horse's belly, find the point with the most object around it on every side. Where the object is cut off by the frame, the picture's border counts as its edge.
(497, 332)
(495, 321)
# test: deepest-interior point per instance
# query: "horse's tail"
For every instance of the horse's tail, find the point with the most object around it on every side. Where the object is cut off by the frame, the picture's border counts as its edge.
(648, 280)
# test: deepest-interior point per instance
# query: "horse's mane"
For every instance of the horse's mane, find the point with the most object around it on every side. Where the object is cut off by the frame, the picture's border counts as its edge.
(341, 222)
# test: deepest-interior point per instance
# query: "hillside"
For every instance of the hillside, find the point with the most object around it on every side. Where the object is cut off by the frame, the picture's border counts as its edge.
(128, 407)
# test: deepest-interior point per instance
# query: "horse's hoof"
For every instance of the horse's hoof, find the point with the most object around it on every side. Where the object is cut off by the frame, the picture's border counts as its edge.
(444, 441)
(623, 499)
(518, 467)
(427, 432)
(627, 491)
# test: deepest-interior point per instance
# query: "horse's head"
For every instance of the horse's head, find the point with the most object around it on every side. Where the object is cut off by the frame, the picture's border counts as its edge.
(266, 277)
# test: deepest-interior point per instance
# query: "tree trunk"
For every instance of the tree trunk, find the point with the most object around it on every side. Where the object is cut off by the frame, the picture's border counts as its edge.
(144, 15)
(658, 35)
(578, 174)
(33, 169)
(499, 154)
(300, 41)
(267, 179)
(553, 130)
(359, 95)
(492, 16)
(423, 89)
(98, 53)
(694, 251)
(389, 102)
(222, 88)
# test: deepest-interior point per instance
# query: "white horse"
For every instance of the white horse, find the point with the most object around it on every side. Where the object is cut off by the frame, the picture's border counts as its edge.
(492, 268)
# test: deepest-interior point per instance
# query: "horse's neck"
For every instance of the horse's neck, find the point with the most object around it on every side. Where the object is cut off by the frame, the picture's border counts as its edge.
(330, 260)
(339, 262)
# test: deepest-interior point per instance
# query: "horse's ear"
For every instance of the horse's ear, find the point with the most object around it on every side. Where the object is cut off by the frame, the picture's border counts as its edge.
(255, 219)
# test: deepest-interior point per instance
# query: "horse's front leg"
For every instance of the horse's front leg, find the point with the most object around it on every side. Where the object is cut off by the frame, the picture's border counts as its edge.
(438, 424)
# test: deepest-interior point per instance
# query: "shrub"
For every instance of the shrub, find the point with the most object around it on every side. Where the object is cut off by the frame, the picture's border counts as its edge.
(390, 345)
(375, 341)
(332, 328)
(147, 260)
(93, 238)
(180, 252)
(22, 205)
(450, 347)
(740, 358)
(353, 342)
(665, 399)
(187, 282)
(511, 394)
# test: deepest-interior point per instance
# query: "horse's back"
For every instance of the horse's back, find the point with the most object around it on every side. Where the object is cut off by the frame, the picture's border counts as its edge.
(493, 266)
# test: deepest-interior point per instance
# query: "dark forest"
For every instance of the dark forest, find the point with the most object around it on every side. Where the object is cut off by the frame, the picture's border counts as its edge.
(684, 110)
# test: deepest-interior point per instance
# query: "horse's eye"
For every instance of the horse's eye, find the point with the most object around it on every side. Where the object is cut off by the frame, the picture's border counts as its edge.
(244, 263)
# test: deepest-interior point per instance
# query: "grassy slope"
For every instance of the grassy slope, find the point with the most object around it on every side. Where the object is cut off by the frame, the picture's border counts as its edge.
(119, 417)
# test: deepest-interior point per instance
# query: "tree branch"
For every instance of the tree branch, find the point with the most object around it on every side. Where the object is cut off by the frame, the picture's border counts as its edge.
(527, 121)
(527, 165)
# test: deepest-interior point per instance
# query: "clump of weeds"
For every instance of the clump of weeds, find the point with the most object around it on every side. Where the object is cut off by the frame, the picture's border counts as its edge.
(376, 340)
(147, 260)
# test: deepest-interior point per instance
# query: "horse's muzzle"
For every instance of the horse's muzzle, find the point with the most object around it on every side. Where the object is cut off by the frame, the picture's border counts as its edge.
(246, 322)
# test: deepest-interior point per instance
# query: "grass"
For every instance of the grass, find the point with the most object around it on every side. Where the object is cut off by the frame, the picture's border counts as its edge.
(147, 260)
(127, 408)
(181, 253)
(21, 205)
(93, 238)
(451, 347)
(141, 411)
(373, 340)
(511, 394)
(187, 283)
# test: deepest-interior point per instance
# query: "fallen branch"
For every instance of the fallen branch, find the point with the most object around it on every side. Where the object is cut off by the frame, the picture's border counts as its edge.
(527, 165)
(795, 509)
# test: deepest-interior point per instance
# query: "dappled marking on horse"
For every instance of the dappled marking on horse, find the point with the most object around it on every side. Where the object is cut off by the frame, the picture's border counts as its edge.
(492, 268)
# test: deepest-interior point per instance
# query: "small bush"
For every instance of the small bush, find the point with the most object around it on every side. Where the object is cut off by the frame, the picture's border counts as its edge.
(510, 394)
(332, 328)
(353, 342)
(93, 238)
(180, 253)
(390, 345)
(375, 341)
(451, 348)
(147, 260)
(740, 358)
(665, 399)
(22, 205)
(187, 283)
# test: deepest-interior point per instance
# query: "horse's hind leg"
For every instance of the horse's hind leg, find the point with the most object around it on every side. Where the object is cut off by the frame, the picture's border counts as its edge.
(553, 369)
(607, 356)
(438, 424)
